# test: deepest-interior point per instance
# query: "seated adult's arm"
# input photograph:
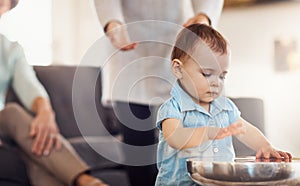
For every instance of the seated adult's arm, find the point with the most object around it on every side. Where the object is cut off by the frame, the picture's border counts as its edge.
(34, 97)
(43, 127)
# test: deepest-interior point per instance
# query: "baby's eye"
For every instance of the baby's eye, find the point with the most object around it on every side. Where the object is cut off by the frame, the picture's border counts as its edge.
(223, 77)
(206, 74)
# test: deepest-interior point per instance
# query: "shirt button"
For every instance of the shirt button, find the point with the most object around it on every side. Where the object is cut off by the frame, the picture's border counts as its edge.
(216, 150)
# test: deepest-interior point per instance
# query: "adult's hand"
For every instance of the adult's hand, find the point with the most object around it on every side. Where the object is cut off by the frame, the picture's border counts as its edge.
(118, 35)
(198, 18)
(0, 143)
(44, 129)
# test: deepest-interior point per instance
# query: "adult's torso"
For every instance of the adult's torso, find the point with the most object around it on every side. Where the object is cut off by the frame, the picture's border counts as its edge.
(165, 10)
(143, 75)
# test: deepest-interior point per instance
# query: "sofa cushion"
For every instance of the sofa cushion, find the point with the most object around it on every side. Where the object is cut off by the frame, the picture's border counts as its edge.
(60, 82)
(75, 94)
(112, 177)
(12, 168)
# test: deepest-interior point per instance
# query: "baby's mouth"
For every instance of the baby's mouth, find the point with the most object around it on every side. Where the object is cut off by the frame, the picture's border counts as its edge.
(213, 93)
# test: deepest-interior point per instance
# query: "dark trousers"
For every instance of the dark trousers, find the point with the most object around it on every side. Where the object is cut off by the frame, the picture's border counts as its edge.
(137, 123)
(12, 168)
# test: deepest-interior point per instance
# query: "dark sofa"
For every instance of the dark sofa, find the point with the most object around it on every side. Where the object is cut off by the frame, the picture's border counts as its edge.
(75, 94)
(66, 100)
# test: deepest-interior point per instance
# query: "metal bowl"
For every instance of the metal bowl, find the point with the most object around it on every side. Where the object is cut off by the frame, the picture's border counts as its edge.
(240, 173)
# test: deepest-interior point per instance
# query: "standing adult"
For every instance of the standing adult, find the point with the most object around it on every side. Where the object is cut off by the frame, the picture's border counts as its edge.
(136, 78)
(49, 158)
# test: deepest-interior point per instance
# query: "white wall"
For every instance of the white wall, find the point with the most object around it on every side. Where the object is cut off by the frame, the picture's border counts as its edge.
(30, 25)
(251, 32)
(75, 29)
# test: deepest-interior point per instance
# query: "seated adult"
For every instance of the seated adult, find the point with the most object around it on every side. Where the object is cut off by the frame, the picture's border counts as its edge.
(49, 158)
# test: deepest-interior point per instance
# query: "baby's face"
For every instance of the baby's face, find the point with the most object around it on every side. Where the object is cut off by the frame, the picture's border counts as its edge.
(203, 75)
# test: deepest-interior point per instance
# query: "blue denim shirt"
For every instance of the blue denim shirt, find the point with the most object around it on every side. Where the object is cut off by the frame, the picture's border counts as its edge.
(172, 162)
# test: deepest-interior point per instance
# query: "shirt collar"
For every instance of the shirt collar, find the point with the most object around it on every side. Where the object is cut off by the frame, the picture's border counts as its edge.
(186, 103)
(218, 105)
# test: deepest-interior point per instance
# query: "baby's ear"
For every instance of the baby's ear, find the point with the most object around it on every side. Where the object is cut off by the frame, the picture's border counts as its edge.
(177, 68)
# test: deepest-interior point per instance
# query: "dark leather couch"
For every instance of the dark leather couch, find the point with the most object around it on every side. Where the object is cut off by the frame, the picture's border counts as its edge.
(77, 90)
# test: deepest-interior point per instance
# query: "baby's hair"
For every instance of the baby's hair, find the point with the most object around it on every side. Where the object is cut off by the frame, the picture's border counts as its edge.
(188, 38)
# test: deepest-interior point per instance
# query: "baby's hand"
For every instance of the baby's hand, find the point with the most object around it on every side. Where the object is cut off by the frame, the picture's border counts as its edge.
(270, 152)
(233, 129)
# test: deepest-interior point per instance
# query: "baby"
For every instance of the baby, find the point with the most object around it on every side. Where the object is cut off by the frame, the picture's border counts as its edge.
(197, 117)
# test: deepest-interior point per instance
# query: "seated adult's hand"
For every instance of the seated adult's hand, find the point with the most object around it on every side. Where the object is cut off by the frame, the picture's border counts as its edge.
(44, 129)
(118, 35)
(198, 18)
(45, 132)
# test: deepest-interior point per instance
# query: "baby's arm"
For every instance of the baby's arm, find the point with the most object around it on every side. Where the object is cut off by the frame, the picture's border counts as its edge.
(258, 142)
(180, 137)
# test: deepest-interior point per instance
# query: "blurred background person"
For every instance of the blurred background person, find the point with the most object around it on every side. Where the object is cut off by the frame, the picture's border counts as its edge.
(49, 158)
(136, 78)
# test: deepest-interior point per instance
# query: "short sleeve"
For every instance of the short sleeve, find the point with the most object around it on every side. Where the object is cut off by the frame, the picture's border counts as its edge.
(169, 109)
(234, 113)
